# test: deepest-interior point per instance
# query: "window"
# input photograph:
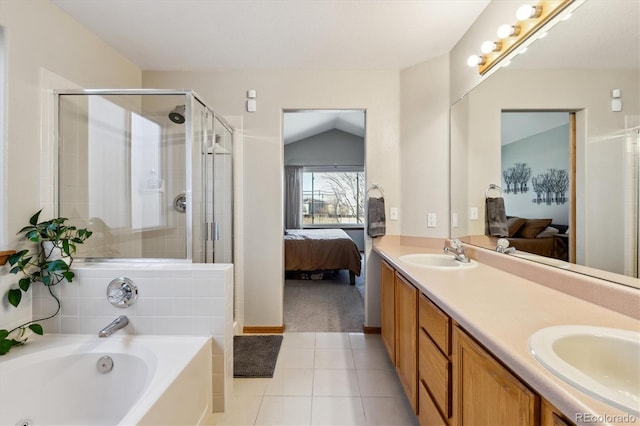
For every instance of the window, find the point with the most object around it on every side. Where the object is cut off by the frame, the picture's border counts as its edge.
(332, 197)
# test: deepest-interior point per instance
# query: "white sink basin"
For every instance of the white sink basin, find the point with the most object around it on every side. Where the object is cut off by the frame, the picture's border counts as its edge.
(438, 261)
(602, 362)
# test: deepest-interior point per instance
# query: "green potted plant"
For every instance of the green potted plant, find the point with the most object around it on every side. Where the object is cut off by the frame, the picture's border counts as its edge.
(49, 264)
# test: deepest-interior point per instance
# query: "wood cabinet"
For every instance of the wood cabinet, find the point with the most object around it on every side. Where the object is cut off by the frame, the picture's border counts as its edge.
(406, 330)
(387, 288)
(551, 416)
(399, 320)
(434, 363)
(487, 393)
(448, 377)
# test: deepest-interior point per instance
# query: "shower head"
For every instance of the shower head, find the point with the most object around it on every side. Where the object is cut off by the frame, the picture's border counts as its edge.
(177, 114)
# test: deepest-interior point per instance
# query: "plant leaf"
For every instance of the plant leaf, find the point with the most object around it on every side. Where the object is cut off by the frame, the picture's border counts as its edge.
(68, 275)
(4, 333)
(36, 328)
(14, 296)
(34, 219)
(5, 346)
(24, 284)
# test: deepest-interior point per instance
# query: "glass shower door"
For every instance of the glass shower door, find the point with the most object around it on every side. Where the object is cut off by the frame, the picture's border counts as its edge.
(217, 191)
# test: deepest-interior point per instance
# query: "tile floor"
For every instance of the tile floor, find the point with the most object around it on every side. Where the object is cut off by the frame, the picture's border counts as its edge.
(323, 379)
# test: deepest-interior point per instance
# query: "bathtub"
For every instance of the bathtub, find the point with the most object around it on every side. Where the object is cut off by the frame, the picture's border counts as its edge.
(55, 380)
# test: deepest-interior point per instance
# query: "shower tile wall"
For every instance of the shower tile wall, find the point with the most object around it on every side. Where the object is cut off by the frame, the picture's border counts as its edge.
(173, 299)
(169, 242)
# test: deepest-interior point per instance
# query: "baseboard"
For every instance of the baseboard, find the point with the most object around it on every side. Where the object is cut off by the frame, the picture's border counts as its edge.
(371, 330)
(263, 330)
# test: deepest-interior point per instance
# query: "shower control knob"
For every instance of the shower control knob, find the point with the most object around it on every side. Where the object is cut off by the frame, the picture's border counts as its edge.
(122, 292)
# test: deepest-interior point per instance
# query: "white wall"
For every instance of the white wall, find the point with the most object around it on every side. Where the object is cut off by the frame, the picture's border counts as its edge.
(41, 39)
(424, 129)
(375, 91)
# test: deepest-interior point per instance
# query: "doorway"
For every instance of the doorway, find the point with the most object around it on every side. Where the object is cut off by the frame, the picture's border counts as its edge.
(324, 198)
(538, 168)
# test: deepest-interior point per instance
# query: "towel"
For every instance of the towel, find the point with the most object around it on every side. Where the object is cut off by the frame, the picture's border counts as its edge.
(496, 217)
(376, 225)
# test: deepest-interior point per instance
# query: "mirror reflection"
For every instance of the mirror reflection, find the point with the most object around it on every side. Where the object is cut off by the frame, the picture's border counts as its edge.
(557, 134)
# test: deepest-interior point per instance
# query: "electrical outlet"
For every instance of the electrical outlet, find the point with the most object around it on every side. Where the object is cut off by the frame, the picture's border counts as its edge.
(393, 213)
(431, 220)
(473, 214)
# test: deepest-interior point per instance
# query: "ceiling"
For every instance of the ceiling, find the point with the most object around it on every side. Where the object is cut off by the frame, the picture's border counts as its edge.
(522, 124)
(276, 34)
(303, 124)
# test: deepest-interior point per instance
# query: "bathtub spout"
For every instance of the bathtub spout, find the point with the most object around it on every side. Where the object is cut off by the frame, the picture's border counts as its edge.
(115, 325)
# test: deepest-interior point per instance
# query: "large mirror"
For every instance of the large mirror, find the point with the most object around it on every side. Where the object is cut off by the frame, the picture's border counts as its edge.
(575, 77)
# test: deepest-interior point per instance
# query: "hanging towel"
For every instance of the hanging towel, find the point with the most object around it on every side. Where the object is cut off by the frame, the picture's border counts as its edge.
(376, 225)
(496, 217)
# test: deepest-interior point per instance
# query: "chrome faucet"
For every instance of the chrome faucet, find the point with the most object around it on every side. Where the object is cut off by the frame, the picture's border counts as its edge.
(114, 326)
(457, 250)
(503, 247)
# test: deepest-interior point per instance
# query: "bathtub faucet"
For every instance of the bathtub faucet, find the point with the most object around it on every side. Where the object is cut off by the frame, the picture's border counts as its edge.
(115, 325)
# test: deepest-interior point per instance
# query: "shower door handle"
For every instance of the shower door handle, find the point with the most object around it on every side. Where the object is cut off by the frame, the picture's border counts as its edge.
(215, 231)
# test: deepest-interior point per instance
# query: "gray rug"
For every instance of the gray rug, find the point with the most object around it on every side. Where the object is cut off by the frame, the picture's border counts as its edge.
(323, 305)
(255, 356)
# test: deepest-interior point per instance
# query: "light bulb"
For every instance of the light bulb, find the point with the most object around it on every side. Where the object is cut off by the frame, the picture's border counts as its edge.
(527, 12)
(475, 60)
(490, 46)
(506, 30)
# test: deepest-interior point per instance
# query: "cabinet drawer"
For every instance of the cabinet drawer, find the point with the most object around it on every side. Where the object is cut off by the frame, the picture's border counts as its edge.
(429, 414)
(436, 323)
(435, 370)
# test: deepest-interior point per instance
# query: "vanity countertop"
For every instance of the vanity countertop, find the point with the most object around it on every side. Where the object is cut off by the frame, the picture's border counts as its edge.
(501, 310)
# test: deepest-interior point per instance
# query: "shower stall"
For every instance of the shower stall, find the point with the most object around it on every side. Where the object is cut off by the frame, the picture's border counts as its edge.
(148, 171)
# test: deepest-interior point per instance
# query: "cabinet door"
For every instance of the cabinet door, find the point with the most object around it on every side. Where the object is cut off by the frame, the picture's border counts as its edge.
(485, 393)
(406, 315)
(551, 416)
(387, 304)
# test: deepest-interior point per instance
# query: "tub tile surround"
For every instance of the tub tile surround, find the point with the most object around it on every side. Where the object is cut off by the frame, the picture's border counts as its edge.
(501, 303)
(173, 299)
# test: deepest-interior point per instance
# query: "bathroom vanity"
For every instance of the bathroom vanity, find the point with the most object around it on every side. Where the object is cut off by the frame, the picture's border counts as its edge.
(459, 338)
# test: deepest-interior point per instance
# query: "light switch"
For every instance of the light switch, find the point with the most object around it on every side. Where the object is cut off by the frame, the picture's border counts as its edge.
(431, 220)
(616, 105)
(251, 105)
(473, 214)
(393, 213)
(454, 220)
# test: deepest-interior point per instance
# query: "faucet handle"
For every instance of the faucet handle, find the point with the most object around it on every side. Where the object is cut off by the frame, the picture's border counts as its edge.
(502, 244)
(455, 244)
(122, 292)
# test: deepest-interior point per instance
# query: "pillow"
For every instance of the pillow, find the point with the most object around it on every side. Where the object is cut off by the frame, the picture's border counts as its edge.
(547, 232)
(533, 227)
(514, 224)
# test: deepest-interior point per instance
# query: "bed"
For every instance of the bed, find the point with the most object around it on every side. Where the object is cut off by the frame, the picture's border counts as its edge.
(316, 250)
(538, 236)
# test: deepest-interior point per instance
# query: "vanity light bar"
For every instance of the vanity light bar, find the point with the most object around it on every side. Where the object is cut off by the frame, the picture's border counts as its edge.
(531, 19)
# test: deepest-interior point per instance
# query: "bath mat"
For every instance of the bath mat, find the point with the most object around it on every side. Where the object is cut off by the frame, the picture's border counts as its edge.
(255, 356)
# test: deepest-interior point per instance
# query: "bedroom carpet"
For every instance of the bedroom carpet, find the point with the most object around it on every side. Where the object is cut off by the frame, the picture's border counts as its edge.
(255, 356)
(323, 305)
